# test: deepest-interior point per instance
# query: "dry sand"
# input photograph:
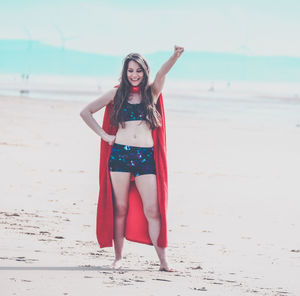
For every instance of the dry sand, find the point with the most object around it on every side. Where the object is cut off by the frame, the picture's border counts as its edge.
(233, 205)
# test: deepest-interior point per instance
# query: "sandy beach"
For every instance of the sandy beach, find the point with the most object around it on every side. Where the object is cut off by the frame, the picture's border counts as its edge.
(233, 215)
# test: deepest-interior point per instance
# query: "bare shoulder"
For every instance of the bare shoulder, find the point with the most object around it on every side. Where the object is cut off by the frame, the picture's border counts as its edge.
(105, 99)
(109, 95)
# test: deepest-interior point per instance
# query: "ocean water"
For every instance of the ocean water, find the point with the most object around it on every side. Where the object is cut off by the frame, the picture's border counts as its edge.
(36, 58)
(254, 103)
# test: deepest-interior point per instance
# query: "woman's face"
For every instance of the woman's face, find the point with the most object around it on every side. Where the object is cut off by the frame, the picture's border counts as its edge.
(135, 73)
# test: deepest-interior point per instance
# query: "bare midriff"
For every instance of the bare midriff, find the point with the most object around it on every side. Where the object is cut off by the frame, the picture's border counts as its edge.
(135, 133)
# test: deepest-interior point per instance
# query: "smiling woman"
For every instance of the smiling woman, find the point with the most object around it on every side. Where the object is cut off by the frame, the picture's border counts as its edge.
(133, 165)
(134, 73)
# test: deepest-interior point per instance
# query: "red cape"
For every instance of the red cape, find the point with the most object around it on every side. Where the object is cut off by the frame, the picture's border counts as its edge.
(136, 223)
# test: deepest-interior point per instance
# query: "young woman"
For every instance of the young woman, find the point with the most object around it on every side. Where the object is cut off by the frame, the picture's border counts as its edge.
(133, 170)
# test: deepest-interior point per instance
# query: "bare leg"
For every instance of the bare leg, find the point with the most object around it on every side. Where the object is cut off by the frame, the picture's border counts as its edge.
(120, 184)
(147, 187)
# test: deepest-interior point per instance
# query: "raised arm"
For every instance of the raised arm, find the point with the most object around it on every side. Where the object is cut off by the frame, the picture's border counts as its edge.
(87, 114)
(160, 77)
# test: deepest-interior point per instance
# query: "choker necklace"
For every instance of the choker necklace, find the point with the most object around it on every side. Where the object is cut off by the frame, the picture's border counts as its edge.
(135, 89)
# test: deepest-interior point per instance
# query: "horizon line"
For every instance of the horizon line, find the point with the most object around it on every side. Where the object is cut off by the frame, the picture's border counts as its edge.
(153, 52)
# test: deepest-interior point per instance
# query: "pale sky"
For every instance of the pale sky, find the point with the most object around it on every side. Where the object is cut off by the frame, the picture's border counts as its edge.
(255, 27)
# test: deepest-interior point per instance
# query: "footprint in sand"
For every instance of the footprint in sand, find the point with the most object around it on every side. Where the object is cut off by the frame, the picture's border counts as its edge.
(163, 280)
(153, 264)
(20, 259)
(23, 259)
(45, 232)
(230, 281)
(10, 215)
(196, 267)
(199, 289)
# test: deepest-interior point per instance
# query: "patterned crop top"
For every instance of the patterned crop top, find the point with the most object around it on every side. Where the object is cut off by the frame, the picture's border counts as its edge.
(133, 112)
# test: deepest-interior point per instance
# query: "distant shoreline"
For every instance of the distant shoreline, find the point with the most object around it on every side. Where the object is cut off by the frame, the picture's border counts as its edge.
(88, 88)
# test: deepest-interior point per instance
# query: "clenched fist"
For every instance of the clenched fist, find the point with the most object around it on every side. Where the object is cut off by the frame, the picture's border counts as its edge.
(178, 50)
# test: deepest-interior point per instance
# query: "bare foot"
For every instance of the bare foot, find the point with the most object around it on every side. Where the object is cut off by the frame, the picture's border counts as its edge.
(164, 267)
(117, 264)
(167, 269)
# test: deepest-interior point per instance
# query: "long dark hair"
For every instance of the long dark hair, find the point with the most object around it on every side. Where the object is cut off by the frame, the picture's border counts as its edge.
(152, 116)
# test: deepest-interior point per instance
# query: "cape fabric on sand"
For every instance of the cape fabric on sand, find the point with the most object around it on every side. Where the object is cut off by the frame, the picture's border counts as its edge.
(136, 223)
